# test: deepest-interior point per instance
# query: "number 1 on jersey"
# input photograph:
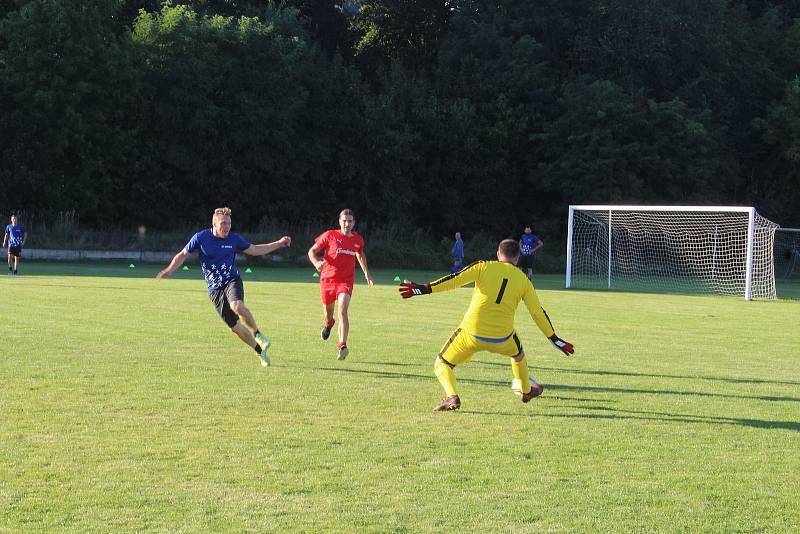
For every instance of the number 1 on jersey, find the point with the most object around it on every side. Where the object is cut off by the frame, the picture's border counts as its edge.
(502, 290)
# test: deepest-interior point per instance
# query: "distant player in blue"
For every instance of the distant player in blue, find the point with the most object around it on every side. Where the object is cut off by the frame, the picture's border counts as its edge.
(528, 245)
(217, 247)
(457, 253)
(14, 238)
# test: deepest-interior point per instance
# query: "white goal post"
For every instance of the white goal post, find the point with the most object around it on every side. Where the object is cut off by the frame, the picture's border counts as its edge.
(725, 250)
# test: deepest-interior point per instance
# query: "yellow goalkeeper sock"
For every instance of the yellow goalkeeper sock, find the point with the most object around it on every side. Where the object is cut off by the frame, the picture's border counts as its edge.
(446, 376)
(520, 370)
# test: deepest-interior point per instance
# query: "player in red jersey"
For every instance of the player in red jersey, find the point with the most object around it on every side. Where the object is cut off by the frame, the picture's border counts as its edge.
(340, 249)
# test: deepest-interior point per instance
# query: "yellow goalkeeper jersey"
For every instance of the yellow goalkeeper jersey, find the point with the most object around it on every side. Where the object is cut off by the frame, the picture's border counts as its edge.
(499, 287)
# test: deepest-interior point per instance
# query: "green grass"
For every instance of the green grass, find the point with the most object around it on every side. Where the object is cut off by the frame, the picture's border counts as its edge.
(128, 406)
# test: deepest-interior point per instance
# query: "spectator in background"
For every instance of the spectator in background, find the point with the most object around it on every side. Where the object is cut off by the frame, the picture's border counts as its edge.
(14, 237)
(457, 253)
(529, 244)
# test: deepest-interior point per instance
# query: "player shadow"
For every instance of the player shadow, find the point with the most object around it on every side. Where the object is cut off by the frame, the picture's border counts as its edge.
(568, 388)
(123, 288)
(377, 374)
(391, 364)
(678, 377)
(640, 415)
(671, 392)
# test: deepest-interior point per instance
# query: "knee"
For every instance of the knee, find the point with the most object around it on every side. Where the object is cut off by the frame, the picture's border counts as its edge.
(238, 307)
(439, 361)
(518, 357)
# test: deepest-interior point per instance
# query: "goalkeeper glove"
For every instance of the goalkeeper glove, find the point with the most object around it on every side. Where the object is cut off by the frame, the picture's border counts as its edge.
(410, 289)
(564, 346)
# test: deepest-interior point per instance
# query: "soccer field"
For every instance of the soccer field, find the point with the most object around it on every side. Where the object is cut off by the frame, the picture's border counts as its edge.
(127, 405)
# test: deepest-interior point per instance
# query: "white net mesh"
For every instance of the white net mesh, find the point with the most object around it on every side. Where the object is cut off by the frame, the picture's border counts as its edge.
(671, 250)
(787, 253)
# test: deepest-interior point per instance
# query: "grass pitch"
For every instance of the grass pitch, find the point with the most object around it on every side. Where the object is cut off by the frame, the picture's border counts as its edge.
(127, 405)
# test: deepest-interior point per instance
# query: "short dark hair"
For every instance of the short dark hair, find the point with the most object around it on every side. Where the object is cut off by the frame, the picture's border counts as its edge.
(509, 248)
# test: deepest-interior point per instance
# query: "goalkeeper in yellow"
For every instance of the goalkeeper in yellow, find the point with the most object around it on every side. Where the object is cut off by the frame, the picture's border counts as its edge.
(489, 322)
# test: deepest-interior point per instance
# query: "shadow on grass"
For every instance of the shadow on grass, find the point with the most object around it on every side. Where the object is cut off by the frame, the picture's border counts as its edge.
(562, 387)
(635, 415)
(160, 289)
(261, 272)
(678, 377)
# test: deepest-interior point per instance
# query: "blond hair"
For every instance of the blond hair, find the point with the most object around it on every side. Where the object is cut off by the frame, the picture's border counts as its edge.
(220, 212)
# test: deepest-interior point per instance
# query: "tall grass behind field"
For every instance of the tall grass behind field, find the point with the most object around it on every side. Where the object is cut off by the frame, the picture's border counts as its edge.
(129, 406)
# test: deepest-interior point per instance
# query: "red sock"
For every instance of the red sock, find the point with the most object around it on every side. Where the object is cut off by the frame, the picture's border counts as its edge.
(329, 324)
(342, 344)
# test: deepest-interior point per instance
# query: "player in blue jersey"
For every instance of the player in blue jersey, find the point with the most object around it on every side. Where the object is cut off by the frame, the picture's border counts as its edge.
(14, 238)
(217, 247)
(528, 244)
(457, 253)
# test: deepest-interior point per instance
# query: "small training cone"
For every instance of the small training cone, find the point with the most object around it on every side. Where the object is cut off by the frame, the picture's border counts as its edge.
(248, 270)
(131, 266)
(185, 267)
(397, 278)
(316, 275)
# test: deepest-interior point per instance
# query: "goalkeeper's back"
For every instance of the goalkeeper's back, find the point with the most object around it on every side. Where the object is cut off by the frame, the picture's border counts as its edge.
(499, 288)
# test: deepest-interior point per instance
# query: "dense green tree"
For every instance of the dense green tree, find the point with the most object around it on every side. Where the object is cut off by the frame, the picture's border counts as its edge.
(609, 147)
(779, 181)
(68, 88)
(418, 114)
(221, 95)
(404, 30)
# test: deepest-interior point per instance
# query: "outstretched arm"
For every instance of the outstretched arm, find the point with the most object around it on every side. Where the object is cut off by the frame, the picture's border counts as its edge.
(466, 276)
(266, 248)
(362, 261)
(176, 262)
(542, 320)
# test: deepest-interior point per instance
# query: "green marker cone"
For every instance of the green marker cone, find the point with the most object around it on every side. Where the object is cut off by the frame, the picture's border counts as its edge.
(185, 267)
(248, 270)
(316, 275)
(131, 266)
(397, 278)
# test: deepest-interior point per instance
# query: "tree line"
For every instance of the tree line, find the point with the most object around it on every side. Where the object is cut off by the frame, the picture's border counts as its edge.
(436, 115)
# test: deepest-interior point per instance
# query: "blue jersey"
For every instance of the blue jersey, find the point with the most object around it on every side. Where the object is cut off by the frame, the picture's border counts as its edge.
(527, 243)
(458, 251)
(217, 256)
(16, 234)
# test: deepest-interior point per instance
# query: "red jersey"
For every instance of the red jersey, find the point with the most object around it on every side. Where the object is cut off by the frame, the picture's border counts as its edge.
(339, 255)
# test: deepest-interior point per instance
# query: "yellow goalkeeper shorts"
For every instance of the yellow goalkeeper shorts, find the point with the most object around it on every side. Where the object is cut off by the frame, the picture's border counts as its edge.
(462, 346)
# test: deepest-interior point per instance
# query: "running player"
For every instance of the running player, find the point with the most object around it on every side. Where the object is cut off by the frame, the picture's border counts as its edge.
(340, 249)
(489, 322)
(217, 247)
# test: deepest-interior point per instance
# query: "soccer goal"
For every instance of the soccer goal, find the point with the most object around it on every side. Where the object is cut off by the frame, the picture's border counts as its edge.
(721, 250)
(787, 252)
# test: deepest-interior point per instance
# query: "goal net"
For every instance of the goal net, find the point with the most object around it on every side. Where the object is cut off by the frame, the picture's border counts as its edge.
(787, 252)
(696, 249)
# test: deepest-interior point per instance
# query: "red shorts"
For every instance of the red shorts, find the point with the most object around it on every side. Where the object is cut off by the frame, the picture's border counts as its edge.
(330, 290)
